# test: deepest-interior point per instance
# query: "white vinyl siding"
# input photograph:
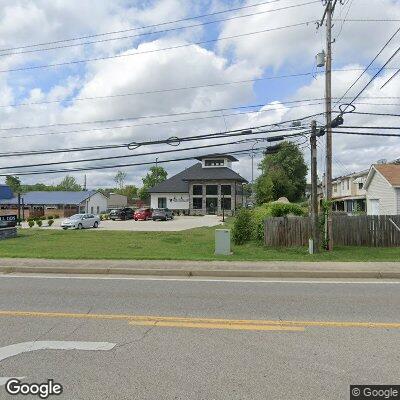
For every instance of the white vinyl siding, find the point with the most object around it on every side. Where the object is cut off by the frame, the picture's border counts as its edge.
(175, 201)
(398, 201)
(380, 189)
(95, 202)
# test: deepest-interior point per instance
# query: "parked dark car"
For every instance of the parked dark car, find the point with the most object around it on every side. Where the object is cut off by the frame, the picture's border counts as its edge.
(122, 213)
(162, 214)
(143, 214)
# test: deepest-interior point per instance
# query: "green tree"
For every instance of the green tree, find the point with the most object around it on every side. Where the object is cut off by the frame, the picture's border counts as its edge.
(14, 183)
(120, 179)
(153, 177)
(69, 184)
(283, 174)
(130, 191)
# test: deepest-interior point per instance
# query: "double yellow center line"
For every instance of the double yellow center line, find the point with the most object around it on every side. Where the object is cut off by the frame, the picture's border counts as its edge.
(206, 323)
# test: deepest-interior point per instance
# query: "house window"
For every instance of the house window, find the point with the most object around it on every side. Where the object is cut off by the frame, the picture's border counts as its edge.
(212, 190)
(91, 210)
(226, 203)
(213, 163)
(360, 185)
(348, 184)
(197, 190)
(162, 202)
(335, 188)
(197, 203)
(98, 209)
(226, 190)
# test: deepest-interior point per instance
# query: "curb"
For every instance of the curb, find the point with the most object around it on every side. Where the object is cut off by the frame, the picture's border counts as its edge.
(204, 273)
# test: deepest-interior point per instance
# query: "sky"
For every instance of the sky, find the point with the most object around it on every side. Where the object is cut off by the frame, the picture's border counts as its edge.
(148, 72)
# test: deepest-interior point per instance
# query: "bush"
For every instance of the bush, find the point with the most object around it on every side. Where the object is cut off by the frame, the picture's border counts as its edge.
(56, 216)
(50, 222)
(242, 227)
(49, 217)
(31, 223)
(258, 215)
(43, 218)
(282, 209)
(39, 222)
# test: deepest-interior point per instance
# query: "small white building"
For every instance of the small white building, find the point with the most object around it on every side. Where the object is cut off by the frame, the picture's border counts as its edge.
(383, 189)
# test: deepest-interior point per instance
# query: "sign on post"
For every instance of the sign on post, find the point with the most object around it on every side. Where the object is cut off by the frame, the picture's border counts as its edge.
(8, 221)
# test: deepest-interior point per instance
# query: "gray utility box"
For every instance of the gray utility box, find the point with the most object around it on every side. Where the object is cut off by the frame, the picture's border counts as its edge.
(223, 242)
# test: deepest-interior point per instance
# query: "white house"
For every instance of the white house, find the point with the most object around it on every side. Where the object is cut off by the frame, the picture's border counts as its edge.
(383, 189)
(207, 187)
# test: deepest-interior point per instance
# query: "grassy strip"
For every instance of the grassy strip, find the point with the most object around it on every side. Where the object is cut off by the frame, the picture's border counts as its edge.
(195, 244)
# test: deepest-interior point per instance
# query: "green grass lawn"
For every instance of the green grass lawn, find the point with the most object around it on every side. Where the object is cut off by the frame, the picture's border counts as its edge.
(195, 244)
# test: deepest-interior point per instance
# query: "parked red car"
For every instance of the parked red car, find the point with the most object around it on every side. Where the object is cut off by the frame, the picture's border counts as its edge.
(143, 214)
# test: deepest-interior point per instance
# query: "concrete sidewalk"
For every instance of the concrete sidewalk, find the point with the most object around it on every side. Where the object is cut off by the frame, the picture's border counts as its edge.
(269, 269)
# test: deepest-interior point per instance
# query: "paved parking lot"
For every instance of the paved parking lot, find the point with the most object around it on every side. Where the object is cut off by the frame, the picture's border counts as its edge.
(179, 223)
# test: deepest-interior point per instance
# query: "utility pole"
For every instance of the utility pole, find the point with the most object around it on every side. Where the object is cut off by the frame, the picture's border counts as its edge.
(314, 187)
(327, 18)
(84, 183)
(328, 109)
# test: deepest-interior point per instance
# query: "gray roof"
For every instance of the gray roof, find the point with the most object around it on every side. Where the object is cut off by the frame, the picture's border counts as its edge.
(217, 155)
(39, 198)
(179, 183)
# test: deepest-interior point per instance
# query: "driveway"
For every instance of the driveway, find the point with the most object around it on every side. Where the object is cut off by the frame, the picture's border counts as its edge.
(179, 223)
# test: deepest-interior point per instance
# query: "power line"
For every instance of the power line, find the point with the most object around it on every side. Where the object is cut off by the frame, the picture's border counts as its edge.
(33, 67)
(142, 27)
(368, 134)
(366, 69)
(115, 166)
(171, 141)
(159, 31)
(135, 155)
(133, 118)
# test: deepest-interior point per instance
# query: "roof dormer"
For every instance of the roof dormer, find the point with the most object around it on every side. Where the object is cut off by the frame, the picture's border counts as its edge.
(216, 160)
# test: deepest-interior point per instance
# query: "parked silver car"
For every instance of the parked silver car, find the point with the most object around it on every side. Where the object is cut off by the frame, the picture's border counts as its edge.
(80, 221)
(162, 214)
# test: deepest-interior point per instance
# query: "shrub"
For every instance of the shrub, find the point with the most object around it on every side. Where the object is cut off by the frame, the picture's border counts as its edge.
(258, 216)
(31, 223)
(50, 222)
(49, 217)
(39, 222)
(282, 209)
(56, 216)
(43, 218)
(242, 227)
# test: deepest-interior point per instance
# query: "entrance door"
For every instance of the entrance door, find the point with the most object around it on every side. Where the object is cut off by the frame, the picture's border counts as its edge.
(374, 207)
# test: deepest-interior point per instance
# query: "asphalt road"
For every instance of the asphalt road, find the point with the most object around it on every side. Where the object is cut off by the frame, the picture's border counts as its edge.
(199, 339)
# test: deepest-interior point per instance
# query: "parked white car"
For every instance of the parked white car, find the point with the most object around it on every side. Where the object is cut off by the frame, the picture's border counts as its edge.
(80, 221)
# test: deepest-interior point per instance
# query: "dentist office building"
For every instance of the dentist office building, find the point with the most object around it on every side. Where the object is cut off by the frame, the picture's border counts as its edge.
(207, 187)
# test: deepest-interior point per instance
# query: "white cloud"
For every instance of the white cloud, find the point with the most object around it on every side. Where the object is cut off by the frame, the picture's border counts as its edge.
(248, 58)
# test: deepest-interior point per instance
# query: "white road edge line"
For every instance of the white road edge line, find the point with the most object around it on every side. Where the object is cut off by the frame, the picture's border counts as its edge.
(210, 280)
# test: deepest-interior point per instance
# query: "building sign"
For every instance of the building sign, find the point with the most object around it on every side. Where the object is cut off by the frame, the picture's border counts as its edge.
(8, 221)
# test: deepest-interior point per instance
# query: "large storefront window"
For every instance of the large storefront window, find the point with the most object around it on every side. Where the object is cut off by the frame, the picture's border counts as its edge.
(197, 203)
(226, 190)
(212, 190)
(197, 190)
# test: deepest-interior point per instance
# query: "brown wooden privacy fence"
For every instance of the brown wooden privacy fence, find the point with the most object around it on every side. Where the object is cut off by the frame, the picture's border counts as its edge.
(363, 230)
